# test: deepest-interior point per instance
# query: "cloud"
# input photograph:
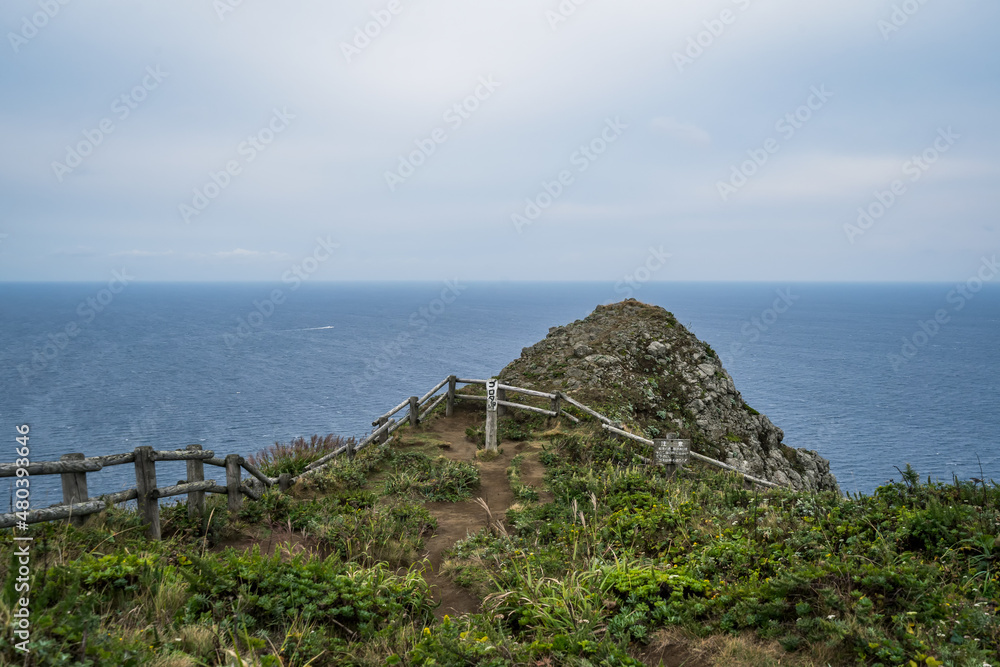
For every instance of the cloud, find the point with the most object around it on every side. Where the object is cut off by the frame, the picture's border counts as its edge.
(558, 82)
(688, 132)
(143, 253)
(243, 253)
(79, 251)
(825, 176)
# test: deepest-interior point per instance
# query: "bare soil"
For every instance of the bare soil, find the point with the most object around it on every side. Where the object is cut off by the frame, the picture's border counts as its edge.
(456, 521)
(673, 655)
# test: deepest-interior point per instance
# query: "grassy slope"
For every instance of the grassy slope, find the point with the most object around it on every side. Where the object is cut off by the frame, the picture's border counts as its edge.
(620, 565)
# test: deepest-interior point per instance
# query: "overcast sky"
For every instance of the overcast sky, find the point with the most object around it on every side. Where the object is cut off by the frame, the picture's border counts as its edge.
(738, 137)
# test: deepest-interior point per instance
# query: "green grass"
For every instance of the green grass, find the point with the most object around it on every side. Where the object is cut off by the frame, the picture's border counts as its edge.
(293, 457)
(621, 558)
(523, 492)
(909, 573)
(436, 479)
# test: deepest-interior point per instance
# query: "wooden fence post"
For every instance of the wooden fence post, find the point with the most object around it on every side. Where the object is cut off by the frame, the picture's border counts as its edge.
(145, 484)
(450, 408)
(557, 404)
(414, 410)
(384, 435)
(74, 486)
(195, 473)
(233, 493)
(284, 481)
(491, 414)
(501, 396)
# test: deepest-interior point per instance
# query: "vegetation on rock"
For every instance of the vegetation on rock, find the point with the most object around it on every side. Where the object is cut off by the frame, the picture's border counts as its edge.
(638, 365)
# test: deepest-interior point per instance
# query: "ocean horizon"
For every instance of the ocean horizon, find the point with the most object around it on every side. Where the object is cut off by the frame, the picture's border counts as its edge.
(870, 375)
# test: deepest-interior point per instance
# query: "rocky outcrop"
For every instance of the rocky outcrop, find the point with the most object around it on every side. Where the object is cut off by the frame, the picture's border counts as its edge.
(638, 365)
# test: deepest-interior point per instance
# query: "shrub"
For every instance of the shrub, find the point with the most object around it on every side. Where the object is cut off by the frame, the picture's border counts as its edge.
(296, 455)
(248, 591)
(509, 429)
(388, 533)
(68, 604)
(434, 479)
(476, 435)
(648, 596)
(351, 524)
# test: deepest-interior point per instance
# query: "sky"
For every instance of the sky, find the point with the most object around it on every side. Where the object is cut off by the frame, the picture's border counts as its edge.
(730, 140)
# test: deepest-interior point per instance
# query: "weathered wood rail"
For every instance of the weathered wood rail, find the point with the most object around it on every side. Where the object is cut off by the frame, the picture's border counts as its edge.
(74, 468)
(557, 401)
(77, 503)
(704, 459)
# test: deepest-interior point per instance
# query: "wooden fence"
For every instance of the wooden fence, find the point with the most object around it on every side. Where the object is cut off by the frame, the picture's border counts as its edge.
(421, 406)
(74, 468)
(77, 503)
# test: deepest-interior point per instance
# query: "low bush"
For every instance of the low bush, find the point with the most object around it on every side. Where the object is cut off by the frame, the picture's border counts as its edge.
(434, 479)
(293, 457)
(253, 592)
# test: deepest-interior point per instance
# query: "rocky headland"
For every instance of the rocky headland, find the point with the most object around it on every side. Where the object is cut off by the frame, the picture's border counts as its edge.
(640, 366)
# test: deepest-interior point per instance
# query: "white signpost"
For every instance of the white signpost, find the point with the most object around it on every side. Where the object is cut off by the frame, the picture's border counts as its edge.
(492, 390)
(671, 453)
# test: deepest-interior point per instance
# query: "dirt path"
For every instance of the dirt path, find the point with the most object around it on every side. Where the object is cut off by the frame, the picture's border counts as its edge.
(456, 521)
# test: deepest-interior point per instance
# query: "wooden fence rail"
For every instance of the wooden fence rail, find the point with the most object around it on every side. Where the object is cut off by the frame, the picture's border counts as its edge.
(435, 390)
(74, 468)
(77, 505)
(433, 405)
(694, 455)
(606, 423)
(54, 513)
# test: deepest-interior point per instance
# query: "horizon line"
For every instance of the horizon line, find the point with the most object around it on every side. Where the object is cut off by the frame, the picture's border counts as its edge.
(496, 281)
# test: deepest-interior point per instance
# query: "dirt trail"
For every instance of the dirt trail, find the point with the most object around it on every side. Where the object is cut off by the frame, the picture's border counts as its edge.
(456, 521)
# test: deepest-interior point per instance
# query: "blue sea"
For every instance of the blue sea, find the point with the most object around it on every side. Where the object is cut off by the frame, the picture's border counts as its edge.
(871, 376)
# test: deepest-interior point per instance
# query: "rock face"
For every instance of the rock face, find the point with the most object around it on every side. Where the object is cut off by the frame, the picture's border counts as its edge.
(638, 365)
